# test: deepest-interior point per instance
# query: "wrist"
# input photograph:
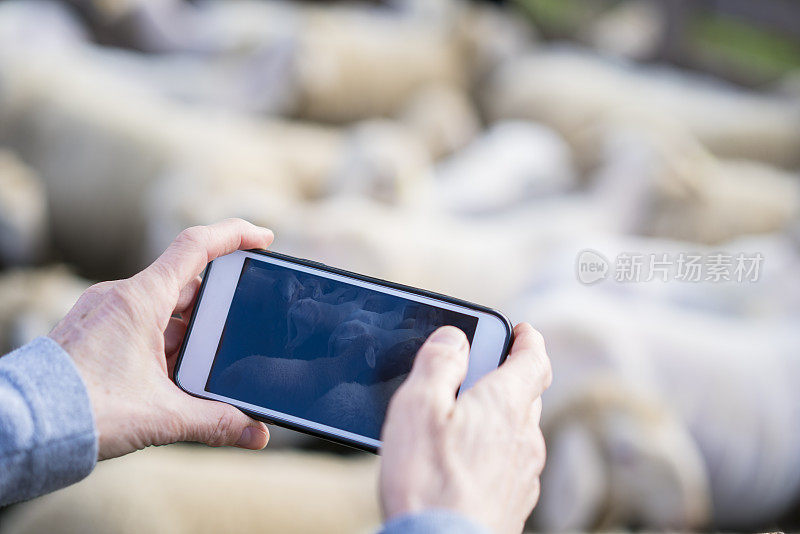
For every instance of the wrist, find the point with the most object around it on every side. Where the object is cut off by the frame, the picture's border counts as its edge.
(397, 509)
(110, 422)
(435, 519)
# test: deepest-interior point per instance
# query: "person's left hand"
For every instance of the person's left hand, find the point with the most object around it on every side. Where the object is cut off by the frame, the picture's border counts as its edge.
(124, 337)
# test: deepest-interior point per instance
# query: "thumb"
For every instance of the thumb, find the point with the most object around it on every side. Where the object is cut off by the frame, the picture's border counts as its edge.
(440, 365)
(217, 424)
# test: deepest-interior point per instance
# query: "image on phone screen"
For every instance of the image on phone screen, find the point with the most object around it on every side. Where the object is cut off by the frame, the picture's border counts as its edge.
(320, 349)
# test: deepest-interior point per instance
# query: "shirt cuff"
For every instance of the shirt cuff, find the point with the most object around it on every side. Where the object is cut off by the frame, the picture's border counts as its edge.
(61, 445)
(437, 521)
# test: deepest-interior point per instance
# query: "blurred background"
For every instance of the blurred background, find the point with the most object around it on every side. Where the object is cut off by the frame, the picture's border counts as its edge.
(564, 161)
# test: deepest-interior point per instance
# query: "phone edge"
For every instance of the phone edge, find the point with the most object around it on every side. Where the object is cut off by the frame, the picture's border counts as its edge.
(364, 278)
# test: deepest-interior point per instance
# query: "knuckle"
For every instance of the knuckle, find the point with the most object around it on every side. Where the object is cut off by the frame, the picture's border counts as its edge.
(496, 392)
(545, 368)
(99, 288)
(540, 451)
(192, 236)
(541, 361)
(159, 283)
(121, 301)
(484, 394)
(122, 298)
(220, 433)
(161, 270)
(412, 399)
(487, 394)
(497, 395)
(537, 338)
(536, 410)
(535, 489)
(94, 293)
(238, 221)
(437, 356)
(534, 354)
(448, 357)
(122, 293)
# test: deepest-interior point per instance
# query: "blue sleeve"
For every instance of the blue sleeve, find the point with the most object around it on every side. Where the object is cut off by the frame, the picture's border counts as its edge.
(47, 431)
(433, 522)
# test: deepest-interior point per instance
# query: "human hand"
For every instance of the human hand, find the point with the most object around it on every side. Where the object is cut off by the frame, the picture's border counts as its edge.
(124, 337)
(479, 455)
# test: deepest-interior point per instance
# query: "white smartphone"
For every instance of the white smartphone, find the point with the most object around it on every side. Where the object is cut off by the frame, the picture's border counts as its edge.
(317, 349)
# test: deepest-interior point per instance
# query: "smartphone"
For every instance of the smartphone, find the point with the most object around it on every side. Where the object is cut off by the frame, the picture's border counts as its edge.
(321, 350)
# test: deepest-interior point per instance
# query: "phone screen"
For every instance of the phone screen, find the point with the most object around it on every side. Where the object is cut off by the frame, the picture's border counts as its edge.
(320, 349)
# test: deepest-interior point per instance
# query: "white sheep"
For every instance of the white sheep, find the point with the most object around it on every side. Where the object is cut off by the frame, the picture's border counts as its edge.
(571, 91)
(186, 489)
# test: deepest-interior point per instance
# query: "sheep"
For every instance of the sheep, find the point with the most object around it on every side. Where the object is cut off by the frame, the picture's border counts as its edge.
(345, 54)
(389, 314)
(40, 25)
(287, 384)
(510, 164)
(135, 132)
(60, 98)
(397, 360)
(32, 301)
(384, 160)
(385, 350)
(286, 288)
(654, 178)
(185, 488)
(335, 391)
(443, 117)
(341, 294)
(357, 352)
(308, 319)
(625, 404)
(358, 408)
(571, 91)
(23, 212)
(424, 317)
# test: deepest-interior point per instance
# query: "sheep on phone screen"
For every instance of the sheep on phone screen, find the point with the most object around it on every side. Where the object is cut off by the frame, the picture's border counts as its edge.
(309, 319)
(319, 349)
(370, 340)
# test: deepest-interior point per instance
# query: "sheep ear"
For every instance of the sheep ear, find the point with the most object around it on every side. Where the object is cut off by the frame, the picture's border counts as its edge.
(371, 356)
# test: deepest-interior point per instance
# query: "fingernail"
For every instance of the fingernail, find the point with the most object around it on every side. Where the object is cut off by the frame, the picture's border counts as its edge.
(250, 439)
(448, 335)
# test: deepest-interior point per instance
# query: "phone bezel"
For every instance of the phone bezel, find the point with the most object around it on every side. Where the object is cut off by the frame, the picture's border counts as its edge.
(218, 285)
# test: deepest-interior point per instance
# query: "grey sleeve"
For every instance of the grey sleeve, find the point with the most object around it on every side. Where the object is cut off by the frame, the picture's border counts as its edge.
(47, 432)
(433, 522)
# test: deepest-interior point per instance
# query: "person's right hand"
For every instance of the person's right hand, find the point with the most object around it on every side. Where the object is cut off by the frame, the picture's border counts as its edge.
(479, 455)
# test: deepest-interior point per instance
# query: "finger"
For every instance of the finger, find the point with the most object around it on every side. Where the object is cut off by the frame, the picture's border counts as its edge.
(534, 452)
(188, 295)
(539, 447)
(528, 429)
(532, 495)
(440, 366)
(195, 247)
(218, 424)
(174, 334)
(535, 413)
(533, 437)
(526, 373)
